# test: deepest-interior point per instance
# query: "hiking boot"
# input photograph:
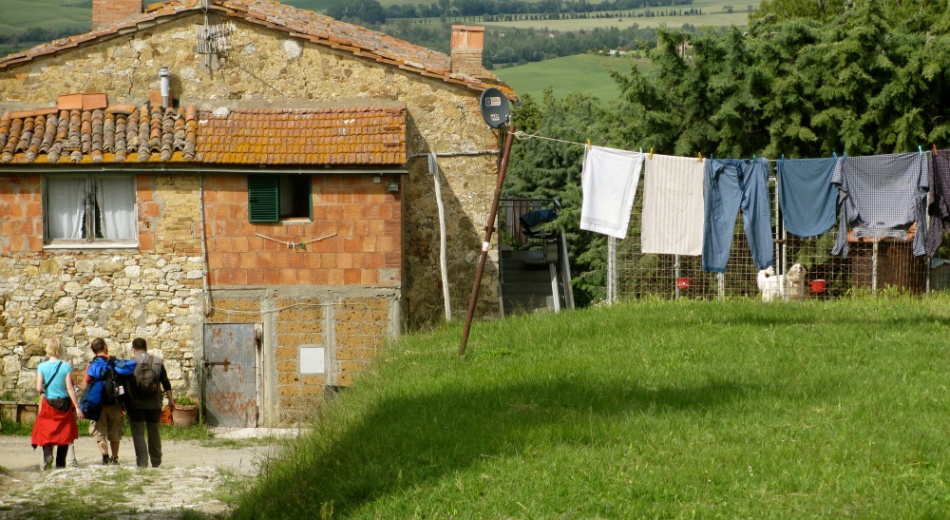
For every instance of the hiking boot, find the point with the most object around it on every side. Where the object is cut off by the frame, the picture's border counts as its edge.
(74, 463)
(114, 461)
(106, 460)
(47, 463)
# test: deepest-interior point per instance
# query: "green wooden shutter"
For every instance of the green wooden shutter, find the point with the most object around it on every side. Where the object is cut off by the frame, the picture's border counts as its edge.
(262, 198)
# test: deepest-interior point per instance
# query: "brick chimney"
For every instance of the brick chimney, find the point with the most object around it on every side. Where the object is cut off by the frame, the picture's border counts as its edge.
(108, 12)
(467, 45)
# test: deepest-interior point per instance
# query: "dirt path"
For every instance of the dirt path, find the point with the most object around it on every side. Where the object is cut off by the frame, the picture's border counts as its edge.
(191, 477)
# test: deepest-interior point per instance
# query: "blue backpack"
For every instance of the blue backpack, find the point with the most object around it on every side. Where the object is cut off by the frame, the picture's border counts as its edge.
(108, 385)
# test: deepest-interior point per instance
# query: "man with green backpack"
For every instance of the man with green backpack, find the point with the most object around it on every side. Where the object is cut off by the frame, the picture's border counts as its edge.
(149, 384)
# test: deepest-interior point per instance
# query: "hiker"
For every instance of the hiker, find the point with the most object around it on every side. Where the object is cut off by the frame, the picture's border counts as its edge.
(104, 398)
(149, 383)
(56, 421)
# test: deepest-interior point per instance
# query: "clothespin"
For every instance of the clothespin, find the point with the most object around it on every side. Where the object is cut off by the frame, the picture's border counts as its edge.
(641, 152)
(588, 144)
(783, 156)
(651, 152)
(753, 157)
(920, 150)
(700, 157)
(835, 154)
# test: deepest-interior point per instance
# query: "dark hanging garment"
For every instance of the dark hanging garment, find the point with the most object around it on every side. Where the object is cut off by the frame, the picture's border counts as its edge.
(806, 195)
(939, 208)
(882, 196)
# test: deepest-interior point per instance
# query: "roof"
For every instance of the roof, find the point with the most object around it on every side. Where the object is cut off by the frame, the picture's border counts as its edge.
(298, 23)
(349, 136)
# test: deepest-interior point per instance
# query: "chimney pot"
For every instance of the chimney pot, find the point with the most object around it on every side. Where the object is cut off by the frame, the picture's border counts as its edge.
(467, 45)
(108, 12)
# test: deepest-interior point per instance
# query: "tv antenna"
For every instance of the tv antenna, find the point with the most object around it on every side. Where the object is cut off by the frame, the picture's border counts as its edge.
(497, 113)
(212, 40)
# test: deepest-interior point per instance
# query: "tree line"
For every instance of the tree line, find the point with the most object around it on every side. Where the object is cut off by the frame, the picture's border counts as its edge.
(866, 80)
(368, 12)
(509, 46)
(36, 35)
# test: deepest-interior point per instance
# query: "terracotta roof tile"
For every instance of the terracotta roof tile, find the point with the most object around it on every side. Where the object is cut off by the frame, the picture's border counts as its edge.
(300, 23)
(351, 136)
(327, 136)
(88, 136)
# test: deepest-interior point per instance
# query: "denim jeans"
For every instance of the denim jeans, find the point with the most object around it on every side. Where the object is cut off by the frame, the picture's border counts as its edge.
(731, 185)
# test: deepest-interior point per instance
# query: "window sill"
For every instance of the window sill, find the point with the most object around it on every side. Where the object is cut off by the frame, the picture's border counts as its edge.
(91, 245)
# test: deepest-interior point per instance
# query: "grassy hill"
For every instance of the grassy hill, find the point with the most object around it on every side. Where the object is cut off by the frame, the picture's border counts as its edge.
(580, 73)
(681, 409)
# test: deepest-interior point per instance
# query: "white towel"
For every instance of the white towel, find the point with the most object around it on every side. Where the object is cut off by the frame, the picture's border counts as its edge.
(609, 182)
(673, 206)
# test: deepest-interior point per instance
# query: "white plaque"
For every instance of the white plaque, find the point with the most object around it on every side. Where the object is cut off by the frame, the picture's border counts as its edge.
(312, 360)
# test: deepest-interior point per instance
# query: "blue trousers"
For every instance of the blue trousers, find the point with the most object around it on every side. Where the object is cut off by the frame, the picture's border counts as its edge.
(732, 185)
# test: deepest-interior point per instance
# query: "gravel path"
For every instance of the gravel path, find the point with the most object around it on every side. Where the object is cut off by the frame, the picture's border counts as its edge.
(192, 476)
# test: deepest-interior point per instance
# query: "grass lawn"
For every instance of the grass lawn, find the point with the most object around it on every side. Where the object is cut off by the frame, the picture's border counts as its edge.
(683, 409)
(579, 73)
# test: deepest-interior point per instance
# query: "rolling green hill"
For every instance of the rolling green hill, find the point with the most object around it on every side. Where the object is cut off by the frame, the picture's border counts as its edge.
(579, 73)
(684, 409)
(17, 16)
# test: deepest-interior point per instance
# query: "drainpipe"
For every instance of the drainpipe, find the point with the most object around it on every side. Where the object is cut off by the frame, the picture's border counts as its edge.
(443, 262)
(205, 285)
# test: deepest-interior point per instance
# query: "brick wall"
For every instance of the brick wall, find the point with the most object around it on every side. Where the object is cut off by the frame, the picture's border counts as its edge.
(355, 236)
(21, 208)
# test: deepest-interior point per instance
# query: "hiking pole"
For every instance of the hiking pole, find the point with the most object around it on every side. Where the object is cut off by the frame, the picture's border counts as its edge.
(486, 244)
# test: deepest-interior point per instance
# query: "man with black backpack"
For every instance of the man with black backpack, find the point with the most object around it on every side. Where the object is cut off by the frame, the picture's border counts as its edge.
(104, 397)
(149, 383)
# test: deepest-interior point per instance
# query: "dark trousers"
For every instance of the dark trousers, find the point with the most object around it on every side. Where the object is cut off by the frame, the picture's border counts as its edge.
(61, 452)
(146, 422)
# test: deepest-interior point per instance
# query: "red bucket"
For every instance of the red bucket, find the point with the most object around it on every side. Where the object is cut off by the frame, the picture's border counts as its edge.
(683, 283)
(818, 286)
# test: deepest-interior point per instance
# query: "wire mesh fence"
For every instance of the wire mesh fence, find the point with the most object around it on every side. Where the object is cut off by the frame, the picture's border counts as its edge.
(871, 264)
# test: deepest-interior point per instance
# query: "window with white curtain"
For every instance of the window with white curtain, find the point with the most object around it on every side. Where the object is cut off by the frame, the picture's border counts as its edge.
(84, 209)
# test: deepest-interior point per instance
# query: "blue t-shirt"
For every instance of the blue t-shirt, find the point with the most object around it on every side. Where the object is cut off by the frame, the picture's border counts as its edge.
(55, 387)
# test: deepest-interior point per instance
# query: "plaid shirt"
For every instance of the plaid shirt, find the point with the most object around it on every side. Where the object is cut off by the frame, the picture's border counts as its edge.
(882, 195)
(939, 209)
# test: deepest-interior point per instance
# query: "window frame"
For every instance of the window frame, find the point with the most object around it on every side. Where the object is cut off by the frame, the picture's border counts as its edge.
(264, 198)
(90, 208)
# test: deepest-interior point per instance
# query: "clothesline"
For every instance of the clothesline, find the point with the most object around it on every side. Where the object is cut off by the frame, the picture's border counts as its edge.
(520, 135)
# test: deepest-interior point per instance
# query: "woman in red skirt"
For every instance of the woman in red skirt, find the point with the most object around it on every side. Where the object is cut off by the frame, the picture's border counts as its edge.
(56, 422)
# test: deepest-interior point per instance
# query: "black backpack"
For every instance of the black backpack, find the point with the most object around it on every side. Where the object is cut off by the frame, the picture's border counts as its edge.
(113, 385)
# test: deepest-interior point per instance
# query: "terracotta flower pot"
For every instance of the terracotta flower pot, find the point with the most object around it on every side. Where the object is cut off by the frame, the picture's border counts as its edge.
(185, 415)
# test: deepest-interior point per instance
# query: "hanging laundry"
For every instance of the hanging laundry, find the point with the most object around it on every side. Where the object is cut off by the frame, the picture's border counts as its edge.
(731, 185)
(882, 196)
(672, 206)
(806, 195)
(939, 209)
(609, 182)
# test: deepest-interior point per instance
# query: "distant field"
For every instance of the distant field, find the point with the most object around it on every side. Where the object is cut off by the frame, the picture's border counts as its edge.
(18, 15)
(580, 73)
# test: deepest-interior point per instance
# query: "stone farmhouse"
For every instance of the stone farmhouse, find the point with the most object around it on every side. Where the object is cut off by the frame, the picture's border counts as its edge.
(252, 188)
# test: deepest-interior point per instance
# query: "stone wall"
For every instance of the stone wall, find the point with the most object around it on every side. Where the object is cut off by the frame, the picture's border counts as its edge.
(152, 292)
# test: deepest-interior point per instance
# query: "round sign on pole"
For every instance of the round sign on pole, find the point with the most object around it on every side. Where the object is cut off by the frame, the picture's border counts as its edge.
(495, 108)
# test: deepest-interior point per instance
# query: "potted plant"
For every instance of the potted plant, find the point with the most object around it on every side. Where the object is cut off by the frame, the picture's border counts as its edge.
(186, 411)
